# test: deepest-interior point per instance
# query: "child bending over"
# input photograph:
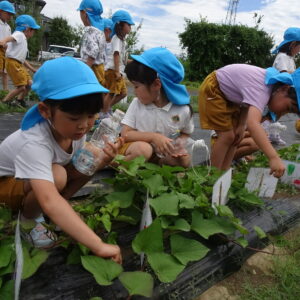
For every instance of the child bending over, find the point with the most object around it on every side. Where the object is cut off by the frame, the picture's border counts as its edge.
(234, 97)
(160, 112)
(36, 174)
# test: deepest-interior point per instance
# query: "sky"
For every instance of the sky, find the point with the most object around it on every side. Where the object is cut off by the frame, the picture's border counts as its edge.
(163, 20)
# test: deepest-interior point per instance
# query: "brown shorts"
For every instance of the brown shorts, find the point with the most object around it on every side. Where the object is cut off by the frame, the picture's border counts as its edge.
(11, 192)
(215, 111)
(17, 72)
(99, 72)
(124, 148)
(2, 60)
(115, 86)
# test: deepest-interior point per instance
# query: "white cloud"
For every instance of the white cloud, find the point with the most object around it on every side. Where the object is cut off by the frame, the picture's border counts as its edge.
(163, 30)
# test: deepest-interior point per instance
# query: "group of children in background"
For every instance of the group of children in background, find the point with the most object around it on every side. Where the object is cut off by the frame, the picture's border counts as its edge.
(36, 171)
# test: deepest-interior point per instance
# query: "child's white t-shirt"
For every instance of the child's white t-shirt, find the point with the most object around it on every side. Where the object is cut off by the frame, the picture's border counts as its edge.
(164, 120)
(17, 49)
(5, 30)
(117, 45)
(30, 154)
(284, 62)
(108, 53)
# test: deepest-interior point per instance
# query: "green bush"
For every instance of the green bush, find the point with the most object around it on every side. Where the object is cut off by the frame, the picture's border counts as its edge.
(210, 46)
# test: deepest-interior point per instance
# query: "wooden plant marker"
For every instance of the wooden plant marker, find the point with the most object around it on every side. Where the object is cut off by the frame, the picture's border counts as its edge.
(259, 179)
(220, 190)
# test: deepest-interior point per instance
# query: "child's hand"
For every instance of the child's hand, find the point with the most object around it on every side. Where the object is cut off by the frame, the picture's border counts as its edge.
(118, 76)
(3, 44)
(239, 135)
(110, 251)
(111, 150)
(277, 167)
(163, 144)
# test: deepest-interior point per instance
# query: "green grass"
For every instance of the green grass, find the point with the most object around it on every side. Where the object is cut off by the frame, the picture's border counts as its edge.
(4, 108)
(285, 278)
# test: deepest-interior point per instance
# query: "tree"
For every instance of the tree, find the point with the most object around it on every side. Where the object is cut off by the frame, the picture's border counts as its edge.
(132, 40)
(61, 33)
(210, 46)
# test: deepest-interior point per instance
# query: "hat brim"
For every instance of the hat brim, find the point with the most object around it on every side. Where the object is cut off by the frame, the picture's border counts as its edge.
(140, 59)
(79, 90)
(280, 45)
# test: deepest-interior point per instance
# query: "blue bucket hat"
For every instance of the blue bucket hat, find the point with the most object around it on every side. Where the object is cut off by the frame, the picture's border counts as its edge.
(273, 76)
(8, 7)
(59, 79)
(121, 16)
(108, 23)
(26, 21)
(170, 72)
(290, 35)
(93, 9)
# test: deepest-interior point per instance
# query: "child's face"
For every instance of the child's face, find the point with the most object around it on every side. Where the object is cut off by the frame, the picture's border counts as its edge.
(146, 95)
(126, 28)
(5, 16)
(281, 103)
(84, 18)
(29, 32)
(66, 125)
(295, 50)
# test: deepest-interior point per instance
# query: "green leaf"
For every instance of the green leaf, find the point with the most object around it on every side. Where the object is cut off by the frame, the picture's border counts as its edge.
(260, 233)
(149, 240)
(124, 199)
(6, 250)
(32, 261)
(165, 266)
(96, 298)
(154, 184)
(181, 224)
(208, 227)
(186, 250)
(225, 211)
(7, 290)
(105, 219)
(166, 204)
(137, 283)
(242, 241)
(242, 229)
(186, 201)
(103, 270)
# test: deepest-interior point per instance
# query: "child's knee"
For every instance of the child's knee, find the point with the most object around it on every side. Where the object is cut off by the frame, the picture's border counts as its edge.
(59, 176)
(227, 137)
(140, 149)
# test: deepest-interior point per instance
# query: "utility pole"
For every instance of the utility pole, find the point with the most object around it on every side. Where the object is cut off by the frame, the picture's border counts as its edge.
(231, 12)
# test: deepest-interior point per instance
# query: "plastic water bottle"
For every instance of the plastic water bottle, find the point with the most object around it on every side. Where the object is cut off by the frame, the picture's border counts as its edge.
(87, 159)
(186, 145)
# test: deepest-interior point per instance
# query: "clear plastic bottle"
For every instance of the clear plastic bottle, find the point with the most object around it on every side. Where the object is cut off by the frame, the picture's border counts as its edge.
(186, 145)
(87, 159)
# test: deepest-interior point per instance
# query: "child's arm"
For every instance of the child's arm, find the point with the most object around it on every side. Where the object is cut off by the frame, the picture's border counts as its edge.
(260, 137)
(3, 43)
(163, 144)
(240, 129)
(62, 214)
(117, 65)
(29, 66)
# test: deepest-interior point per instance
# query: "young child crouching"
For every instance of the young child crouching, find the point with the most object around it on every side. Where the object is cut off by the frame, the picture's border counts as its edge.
(36, 174)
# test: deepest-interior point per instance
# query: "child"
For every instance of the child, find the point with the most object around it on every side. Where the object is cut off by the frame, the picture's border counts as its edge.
(287, 50)
(7, 10)
(114, 76)
(16, 58)
(235, 96)
(92, 49)
(160, 111)
(284, 62)
(35, 170)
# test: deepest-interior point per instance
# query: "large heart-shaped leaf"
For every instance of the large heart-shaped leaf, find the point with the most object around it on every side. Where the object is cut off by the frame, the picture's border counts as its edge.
(137, 283)
(124, 198)
(165, 266)
(154, 184)
(186, 250)
(186, 201)
(103, 270)
(32, 261)
(149, 240)
(208, 227)
(166, 204)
